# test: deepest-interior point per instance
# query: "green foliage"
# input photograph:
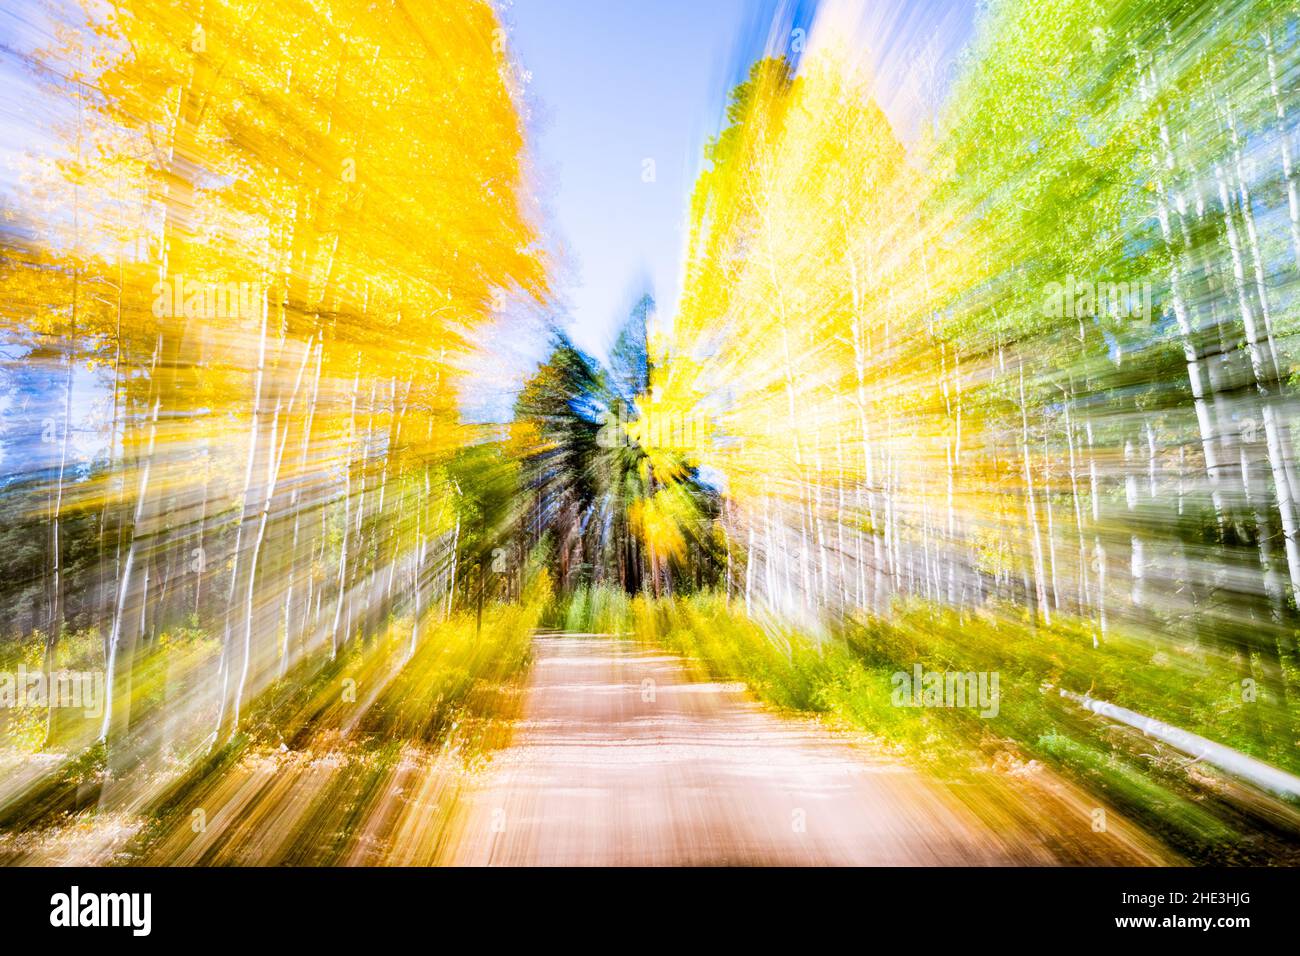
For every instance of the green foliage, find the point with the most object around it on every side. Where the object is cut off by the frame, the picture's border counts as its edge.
(847, 678)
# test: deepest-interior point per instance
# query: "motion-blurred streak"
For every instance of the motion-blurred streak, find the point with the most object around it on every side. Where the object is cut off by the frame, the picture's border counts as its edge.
(236, 302)
(982, 374)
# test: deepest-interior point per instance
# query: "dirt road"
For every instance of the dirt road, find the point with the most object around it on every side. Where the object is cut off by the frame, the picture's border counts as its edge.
(622, 759)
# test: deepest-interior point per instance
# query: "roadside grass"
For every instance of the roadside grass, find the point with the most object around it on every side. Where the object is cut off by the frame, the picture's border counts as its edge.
(316, 754)
(847, 677)
(324, 753)
(590, 610)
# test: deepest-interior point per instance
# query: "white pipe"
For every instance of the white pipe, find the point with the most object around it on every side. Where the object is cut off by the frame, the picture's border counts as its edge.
(1225, 758)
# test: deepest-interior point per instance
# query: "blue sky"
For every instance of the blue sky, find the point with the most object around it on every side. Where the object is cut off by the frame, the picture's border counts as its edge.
(615, 83)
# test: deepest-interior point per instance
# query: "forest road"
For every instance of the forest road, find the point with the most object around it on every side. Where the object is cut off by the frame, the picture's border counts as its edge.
(622, 758)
